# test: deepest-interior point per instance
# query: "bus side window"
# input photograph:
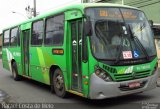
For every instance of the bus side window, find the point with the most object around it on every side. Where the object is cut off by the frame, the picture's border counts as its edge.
(6, 38)
(14, 37)
(54, 30)
(37, 33)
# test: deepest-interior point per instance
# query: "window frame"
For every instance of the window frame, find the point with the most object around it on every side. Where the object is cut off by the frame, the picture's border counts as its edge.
(32, 32)
(5, 46)
(45, 26)
(18, 37)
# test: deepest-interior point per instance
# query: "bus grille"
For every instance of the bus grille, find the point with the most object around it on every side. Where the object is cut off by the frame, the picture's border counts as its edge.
(130, 76)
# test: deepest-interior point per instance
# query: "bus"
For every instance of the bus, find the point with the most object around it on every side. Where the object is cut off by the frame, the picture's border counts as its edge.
(96, 51)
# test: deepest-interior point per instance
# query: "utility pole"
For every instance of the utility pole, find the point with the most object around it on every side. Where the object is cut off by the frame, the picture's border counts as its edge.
(31, 12)
(34, 9)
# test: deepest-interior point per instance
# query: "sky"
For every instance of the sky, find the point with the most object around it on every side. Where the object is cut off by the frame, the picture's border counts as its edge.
(7, 17)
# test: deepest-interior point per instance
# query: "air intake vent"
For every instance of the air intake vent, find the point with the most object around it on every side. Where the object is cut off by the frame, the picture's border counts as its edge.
(109, 69)
(130, 76)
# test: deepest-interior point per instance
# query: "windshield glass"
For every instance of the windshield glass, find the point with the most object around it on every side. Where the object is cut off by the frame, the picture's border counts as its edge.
(114, 30)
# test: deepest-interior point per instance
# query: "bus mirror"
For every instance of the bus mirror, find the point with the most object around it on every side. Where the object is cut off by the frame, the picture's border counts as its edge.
(150, 22)
(87, 28)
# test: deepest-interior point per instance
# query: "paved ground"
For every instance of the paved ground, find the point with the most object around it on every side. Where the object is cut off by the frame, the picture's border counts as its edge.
(158, 83)
(27, 91)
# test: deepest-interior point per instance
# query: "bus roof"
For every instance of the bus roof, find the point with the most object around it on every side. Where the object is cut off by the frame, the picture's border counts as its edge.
(80, 6)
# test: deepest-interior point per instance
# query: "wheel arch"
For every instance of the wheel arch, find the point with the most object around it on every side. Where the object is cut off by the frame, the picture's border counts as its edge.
(51, 71)
(12, 61)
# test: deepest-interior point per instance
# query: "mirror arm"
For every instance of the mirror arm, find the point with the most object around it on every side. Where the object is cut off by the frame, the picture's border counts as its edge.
(150, 22)
(84, 44)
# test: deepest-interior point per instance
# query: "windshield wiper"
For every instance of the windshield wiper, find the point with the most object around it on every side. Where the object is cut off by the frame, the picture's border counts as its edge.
(138, 42)
(101, 37)
(120, 50)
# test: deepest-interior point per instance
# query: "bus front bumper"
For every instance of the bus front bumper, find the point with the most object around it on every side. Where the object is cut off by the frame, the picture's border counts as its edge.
(99, 89)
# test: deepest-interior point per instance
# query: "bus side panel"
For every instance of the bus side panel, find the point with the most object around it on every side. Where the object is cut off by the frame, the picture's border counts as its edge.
(52, 59)
(4, 55)
(37, 64)
(16, 53)
(41, 59)
(9, 54)
(5, 60)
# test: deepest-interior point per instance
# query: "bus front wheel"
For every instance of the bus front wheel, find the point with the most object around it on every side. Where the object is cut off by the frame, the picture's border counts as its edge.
(15, 75)
(59, 84)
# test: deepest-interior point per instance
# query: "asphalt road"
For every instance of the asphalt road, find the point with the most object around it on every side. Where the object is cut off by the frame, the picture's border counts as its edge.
(28, 91)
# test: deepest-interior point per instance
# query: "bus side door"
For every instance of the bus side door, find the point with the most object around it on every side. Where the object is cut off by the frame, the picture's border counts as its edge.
(76, 67)
(25, 51)
(76, 39)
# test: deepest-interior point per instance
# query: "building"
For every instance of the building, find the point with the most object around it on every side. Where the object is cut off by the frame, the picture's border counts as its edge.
(150, 7)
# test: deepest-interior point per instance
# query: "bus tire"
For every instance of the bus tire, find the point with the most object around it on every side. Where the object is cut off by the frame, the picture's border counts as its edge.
(15, 75)
(59, 84)
(52, 84)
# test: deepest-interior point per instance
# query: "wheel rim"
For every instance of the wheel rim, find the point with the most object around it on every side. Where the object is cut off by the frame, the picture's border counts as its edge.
(59, 82)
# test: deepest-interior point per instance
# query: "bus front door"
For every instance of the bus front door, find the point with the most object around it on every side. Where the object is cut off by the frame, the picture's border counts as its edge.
(76, 39)
(26, 34)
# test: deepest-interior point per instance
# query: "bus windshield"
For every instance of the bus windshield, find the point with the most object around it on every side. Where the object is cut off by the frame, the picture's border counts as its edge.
(120, 34)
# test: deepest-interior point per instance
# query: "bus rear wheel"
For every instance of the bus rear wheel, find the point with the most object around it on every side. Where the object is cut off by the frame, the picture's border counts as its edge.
(59, 84)
(15, 75)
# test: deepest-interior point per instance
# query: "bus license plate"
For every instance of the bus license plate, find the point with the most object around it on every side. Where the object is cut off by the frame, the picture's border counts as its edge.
(134, 85)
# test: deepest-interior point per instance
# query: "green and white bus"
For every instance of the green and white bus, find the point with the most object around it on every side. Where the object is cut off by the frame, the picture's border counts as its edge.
(95, 51)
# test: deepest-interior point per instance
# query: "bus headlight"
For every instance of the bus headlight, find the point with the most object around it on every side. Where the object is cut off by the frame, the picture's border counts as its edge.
(103, 75)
